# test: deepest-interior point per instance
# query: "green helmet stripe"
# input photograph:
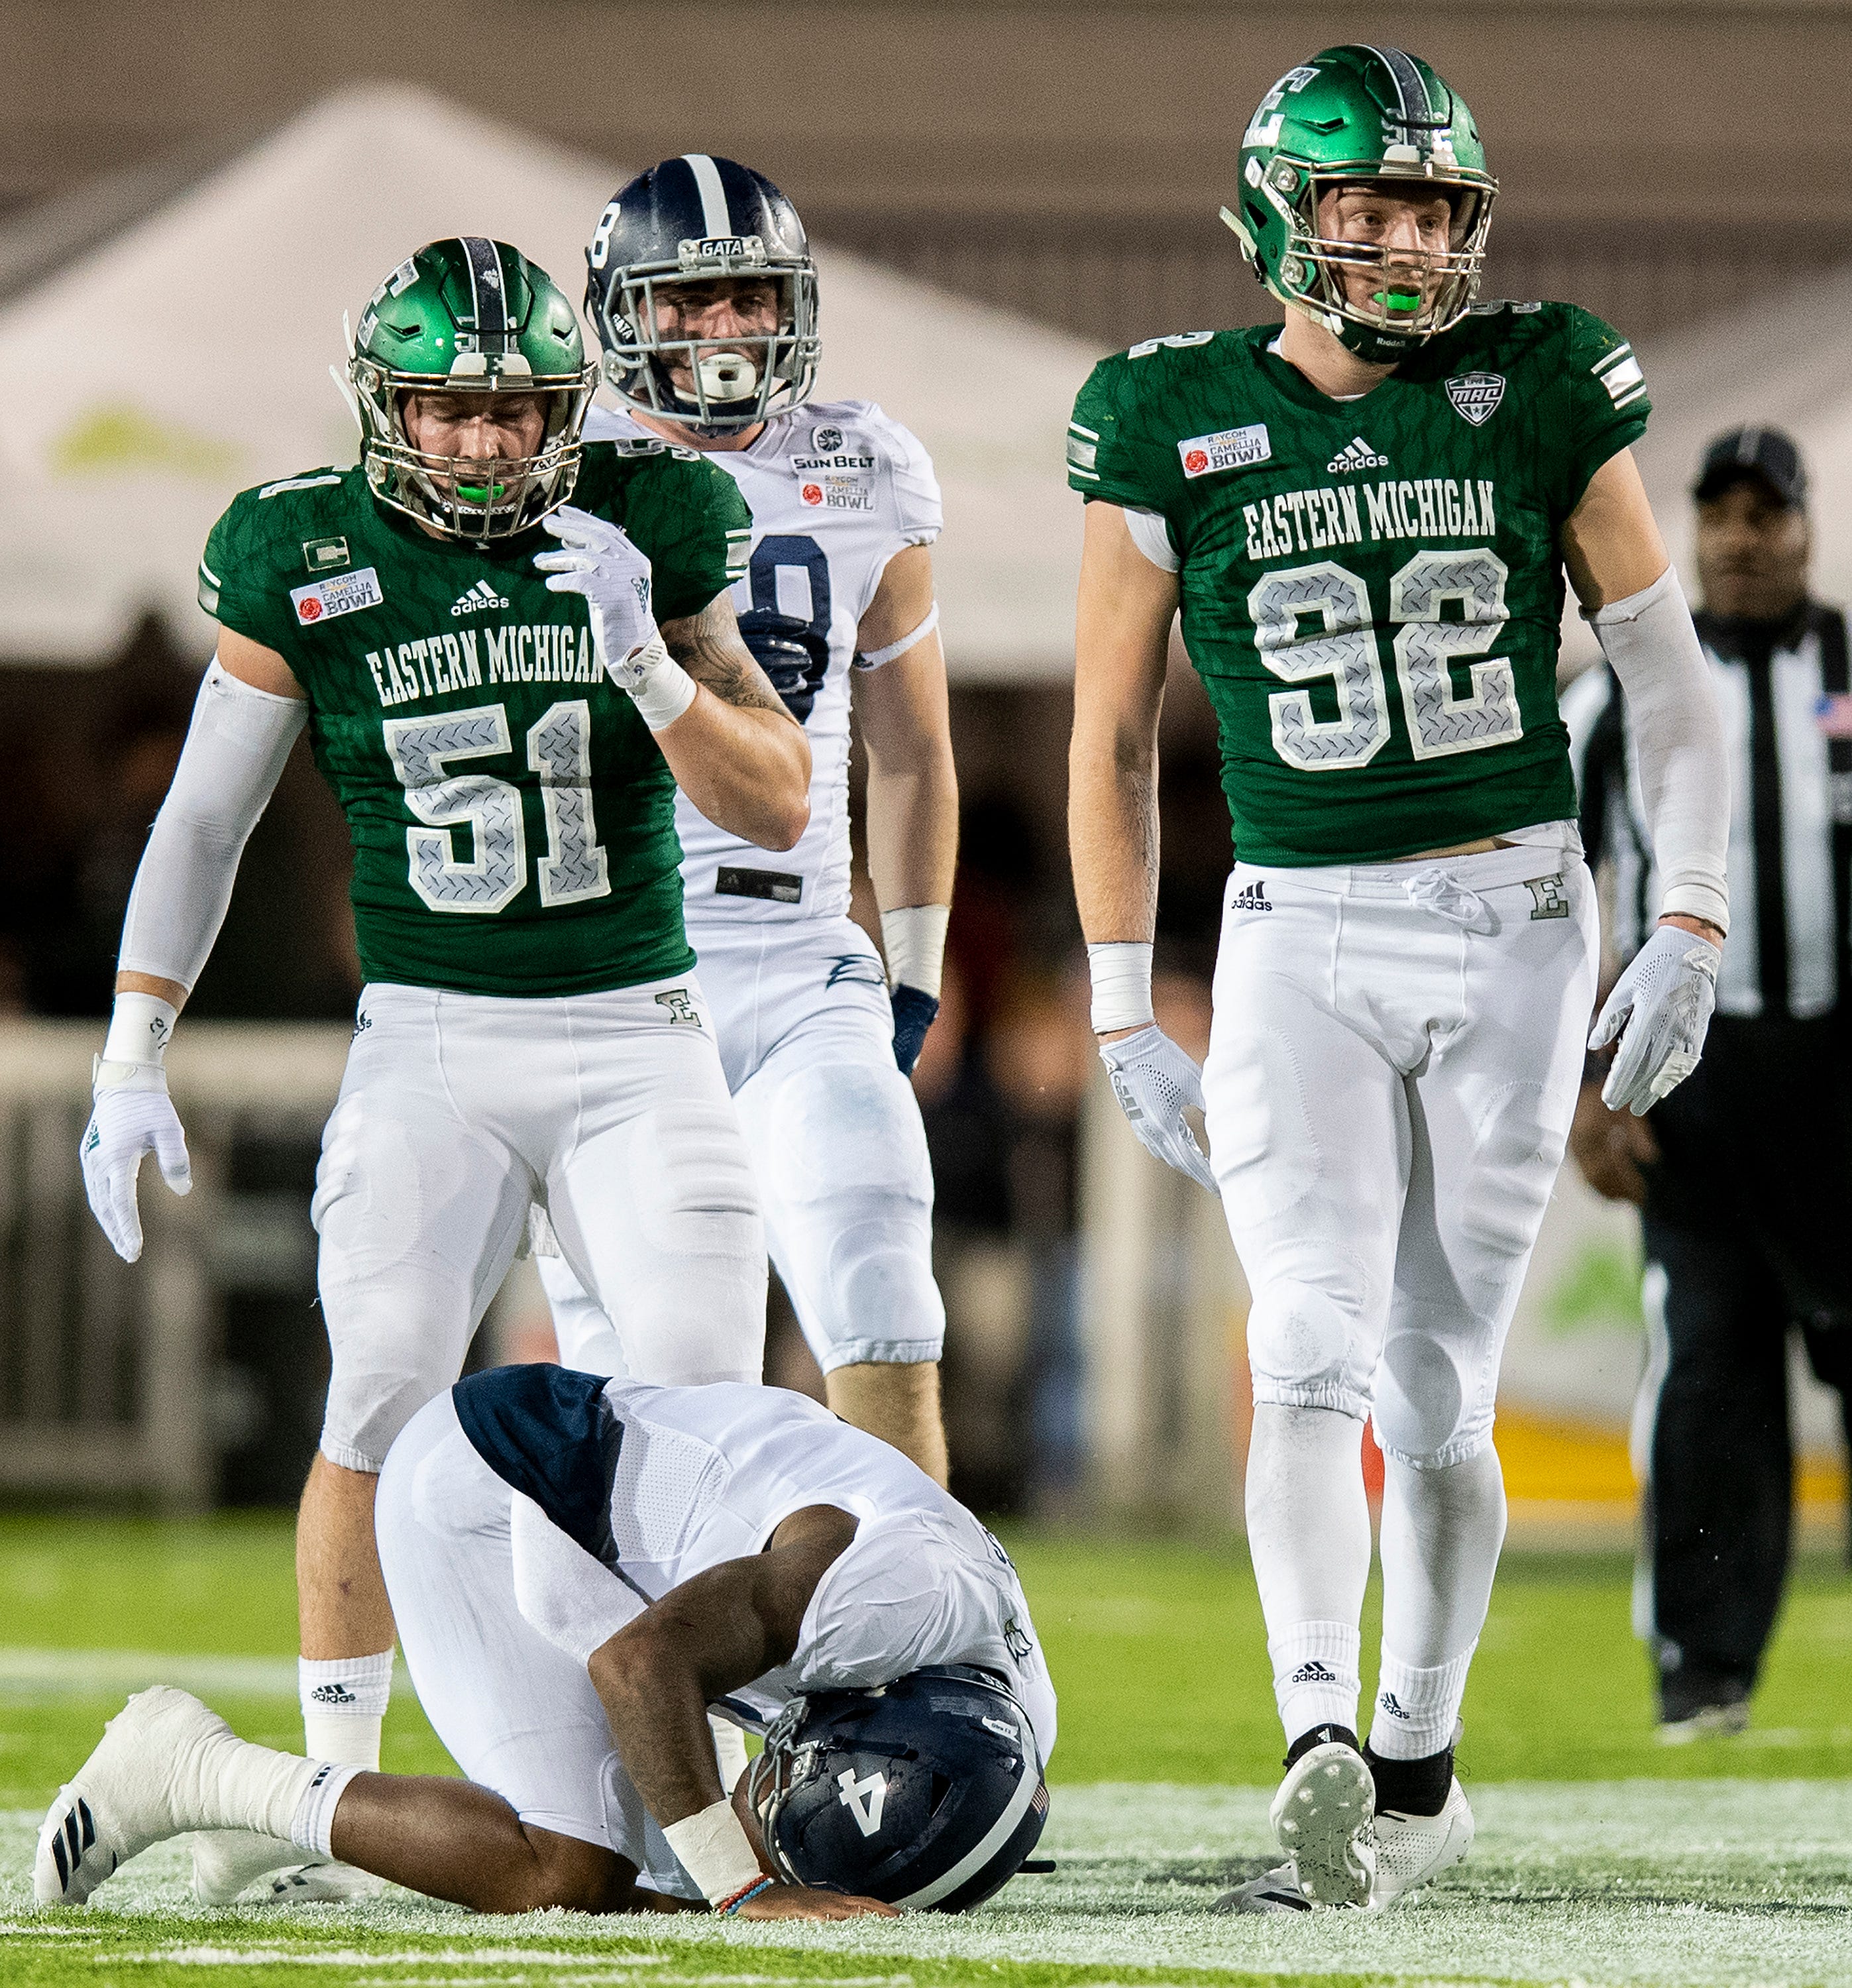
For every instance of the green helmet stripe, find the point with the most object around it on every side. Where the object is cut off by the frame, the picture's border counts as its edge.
(487, 286)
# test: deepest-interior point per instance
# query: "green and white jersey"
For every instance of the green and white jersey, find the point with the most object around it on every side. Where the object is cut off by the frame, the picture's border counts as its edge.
(1371, 589)
(513, 821)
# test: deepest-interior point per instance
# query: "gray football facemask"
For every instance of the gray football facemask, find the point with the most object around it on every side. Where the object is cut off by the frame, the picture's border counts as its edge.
(737, 381)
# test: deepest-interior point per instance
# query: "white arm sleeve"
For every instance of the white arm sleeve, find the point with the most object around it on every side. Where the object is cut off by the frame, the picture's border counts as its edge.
(229, 768)
(1685, 773)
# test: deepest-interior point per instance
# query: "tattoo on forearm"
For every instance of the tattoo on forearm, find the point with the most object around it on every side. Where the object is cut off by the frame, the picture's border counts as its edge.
(707, 645)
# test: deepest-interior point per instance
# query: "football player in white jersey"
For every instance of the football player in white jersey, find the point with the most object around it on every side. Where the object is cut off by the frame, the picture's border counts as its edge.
(579, 1568)
(704, 296)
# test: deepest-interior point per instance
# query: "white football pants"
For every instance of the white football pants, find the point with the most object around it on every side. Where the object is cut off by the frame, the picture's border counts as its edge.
(1392, 1066)
(515, 1712)
(458, 1110)
(838, 1150)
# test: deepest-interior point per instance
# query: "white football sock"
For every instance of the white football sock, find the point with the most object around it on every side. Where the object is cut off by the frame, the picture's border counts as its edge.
(233, 1784)
(1309, 1535)
(1442, 1532)
(1417, 1710)
(344, 1701)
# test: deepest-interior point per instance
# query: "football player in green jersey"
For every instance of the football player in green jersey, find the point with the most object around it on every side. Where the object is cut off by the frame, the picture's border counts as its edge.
(466, 624)
(1364, 518)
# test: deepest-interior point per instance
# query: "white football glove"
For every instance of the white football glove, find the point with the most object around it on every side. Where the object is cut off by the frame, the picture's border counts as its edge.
(1154, 1080)
(1660, 1008)
(595, 558)
(133, 1115)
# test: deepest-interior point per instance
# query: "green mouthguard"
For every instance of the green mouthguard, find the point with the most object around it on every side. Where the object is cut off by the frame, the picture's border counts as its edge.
(1398, 300)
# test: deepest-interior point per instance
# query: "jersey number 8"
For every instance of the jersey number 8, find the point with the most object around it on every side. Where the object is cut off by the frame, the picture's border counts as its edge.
(558, 749)
(1343, 647)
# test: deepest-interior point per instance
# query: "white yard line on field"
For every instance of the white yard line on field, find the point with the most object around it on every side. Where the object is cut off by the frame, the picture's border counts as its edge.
(35, 1673)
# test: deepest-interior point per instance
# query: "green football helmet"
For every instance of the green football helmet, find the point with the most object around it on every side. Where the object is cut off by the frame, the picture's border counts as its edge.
(1374, 115)
(470, 317)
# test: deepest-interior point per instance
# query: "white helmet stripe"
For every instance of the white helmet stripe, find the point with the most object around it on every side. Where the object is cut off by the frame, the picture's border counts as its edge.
(713, 215)
(974, 1860)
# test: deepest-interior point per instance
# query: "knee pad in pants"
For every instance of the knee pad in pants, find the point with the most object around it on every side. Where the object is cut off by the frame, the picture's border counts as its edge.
(1305, 1350)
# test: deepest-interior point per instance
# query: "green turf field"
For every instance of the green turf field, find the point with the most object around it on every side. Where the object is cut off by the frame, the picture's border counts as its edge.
(1603, 1857)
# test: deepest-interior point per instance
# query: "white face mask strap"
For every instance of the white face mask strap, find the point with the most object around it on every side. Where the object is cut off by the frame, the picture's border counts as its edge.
(872, 659)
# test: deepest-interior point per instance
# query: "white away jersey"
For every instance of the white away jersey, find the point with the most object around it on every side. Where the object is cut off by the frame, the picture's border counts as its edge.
(837, 489)
(623, 1492)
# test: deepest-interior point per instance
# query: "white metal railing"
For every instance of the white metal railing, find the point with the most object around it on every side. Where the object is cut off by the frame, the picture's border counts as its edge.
(106, 1368)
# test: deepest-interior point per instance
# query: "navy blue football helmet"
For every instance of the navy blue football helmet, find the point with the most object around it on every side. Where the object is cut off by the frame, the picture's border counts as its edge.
(926, 1793)
(691, 220)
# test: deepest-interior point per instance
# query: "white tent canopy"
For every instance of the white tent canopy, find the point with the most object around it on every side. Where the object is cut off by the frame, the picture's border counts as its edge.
(186, 357)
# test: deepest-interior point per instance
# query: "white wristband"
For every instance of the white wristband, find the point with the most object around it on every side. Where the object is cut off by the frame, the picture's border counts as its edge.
(1121, 973)
(712, 1848)
(663, 690)
(913, 939)
(141, 1027)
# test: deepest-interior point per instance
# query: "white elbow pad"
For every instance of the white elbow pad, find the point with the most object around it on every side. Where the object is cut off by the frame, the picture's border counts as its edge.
(1684, 774)
(233, 758)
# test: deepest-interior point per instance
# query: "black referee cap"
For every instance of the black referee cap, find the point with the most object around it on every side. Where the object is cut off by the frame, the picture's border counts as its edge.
(1766, 453)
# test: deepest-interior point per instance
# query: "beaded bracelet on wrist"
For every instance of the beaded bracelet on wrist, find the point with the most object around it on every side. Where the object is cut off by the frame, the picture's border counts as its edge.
(726, 1908)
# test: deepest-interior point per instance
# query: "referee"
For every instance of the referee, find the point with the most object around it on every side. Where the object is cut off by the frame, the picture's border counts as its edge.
(1744, 1173)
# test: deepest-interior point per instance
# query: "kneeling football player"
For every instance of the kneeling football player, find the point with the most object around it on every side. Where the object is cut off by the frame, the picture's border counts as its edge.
(579, 1569)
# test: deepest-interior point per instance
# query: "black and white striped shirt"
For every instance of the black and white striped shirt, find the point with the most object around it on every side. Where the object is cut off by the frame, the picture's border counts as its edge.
(1787, 725)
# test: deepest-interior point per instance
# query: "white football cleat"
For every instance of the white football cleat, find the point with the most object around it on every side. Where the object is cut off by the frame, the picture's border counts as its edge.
(126, 1796)
(327, 1883)
(1321, 1816)
(1274, 1890)
(1411, 1849)
(225, 1862)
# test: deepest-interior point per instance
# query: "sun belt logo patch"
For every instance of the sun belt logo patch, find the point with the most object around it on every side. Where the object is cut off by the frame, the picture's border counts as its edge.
(326, 599)
(865, 1799)
(1475, 396)
(1229, 448)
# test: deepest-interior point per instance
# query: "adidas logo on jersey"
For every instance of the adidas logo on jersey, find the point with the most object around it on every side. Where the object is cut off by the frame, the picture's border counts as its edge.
(1251, 897)
(478, 600)
(1312, 1673)
(1355, 454)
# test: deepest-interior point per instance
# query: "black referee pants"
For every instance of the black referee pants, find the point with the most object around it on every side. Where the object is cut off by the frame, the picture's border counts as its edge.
(1722, 1491)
